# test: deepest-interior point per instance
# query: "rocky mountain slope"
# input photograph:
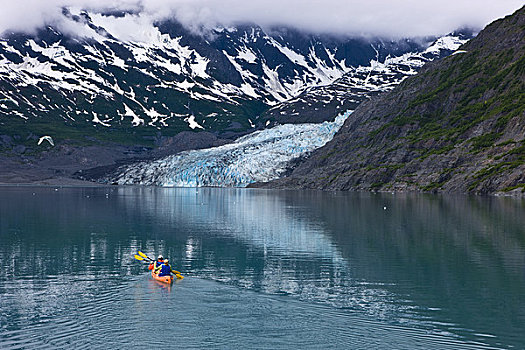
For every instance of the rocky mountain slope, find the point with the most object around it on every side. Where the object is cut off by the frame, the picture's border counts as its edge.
(458, 126)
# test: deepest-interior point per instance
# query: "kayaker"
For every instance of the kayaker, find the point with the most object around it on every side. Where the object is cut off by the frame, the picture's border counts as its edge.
(157, 264)
(165, 269)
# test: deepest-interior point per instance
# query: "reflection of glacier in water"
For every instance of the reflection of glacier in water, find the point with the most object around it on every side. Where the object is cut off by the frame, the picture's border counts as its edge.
(259, 219)
(292, 252)
(258, 157)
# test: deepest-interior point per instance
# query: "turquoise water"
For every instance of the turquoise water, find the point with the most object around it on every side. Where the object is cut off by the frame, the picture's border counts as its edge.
(264, 269)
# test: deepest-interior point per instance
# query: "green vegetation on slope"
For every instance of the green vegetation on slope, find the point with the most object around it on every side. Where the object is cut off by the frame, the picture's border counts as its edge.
(472, 101)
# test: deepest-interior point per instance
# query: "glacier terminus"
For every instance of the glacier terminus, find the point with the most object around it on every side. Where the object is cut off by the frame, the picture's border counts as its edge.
(258, 157)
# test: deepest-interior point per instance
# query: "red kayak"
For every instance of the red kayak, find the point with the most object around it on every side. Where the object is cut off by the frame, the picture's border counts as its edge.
(163, 279)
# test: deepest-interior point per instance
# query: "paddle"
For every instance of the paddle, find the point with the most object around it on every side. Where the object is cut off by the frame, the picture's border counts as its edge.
(142, 255)
(139, 257)
(175, 272)
(145, 256)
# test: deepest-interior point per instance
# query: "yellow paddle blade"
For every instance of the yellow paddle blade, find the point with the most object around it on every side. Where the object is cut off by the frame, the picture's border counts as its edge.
(143, 255)
(138, 257)
(179, 276)
(176, 272)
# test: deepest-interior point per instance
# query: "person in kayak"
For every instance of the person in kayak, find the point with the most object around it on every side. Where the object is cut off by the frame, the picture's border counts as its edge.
(157, 264)
(165, 269)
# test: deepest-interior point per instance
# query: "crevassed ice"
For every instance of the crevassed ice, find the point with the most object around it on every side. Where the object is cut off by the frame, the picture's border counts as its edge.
(257, 157)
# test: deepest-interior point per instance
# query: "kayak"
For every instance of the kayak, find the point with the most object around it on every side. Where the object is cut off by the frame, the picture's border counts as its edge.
(163, 279)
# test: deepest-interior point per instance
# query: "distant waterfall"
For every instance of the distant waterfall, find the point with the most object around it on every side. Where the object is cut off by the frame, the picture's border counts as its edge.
(257, 157)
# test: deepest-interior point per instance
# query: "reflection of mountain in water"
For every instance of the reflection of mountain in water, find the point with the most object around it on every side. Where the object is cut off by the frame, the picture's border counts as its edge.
(424, 257)
(415, 259)
(452, 264)
(459, 257)
(259, 219)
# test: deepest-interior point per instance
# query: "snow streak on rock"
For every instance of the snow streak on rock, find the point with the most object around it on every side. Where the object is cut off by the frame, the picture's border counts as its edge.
(261, 156)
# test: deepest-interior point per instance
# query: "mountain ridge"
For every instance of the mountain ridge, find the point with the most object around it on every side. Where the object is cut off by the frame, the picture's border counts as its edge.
(168, 79)
(457, 126)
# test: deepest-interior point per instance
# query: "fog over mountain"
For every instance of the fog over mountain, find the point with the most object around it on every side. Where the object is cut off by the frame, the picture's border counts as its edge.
(352, 17)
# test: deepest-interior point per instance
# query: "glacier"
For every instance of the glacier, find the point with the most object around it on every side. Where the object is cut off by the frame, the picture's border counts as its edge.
(258, 157)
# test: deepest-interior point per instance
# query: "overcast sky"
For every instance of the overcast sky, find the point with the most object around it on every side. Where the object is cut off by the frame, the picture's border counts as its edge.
(391, 18)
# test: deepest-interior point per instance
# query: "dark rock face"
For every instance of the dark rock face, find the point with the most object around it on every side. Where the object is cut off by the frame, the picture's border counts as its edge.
(187, 140)
(458, 126)
(67, 161)
(62, 161)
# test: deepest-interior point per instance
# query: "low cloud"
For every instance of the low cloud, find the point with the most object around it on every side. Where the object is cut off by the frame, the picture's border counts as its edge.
(388, 18)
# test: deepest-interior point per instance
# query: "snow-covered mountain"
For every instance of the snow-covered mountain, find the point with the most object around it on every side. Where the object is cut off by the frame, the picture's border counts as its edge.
(320, 103)
(161, 78)
(266, 155)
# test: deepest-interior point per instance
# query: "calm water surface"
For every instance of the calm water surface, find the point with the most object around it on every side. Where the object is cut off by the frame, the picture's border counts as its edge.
(264, 270)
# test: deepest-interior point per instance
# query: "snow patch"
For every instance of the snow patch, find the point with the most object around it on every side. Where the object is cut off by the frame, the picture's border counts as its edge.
(129, 113)
(192, 123)
(246, 54)
(185, 85)
(97, 120)
(451, 43)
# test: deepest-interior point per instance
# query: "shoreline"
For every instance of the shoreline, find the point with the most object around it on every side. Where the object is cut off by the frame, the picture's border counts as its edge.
(60, 181)
(71, 182)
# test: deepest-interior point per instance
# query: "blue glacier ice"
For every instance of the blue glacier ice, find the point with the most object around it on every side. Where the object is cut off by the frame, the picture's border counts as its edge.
(258, 157)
